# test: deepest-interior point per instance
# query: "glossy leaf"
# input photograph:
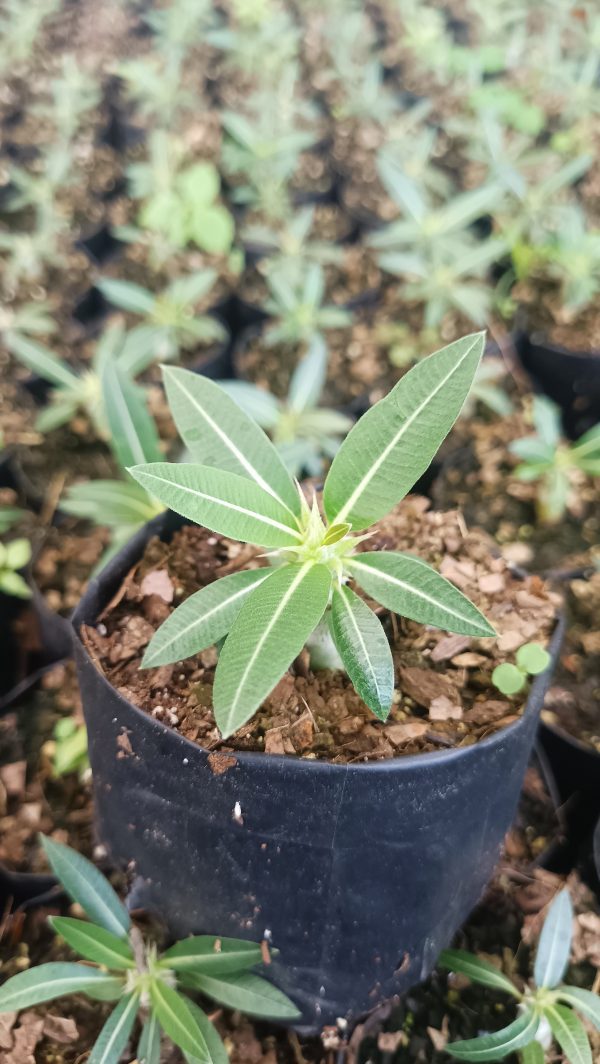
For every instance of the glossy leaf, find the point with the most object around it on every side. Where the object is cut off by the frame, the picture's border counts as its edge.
(394, 442)
(88, 887)
(508, 678)
(219, 433)
(224, 502)
(48, 981)
(204, 617)
(269, 632)
(248, 993)
(178, 1021)
(586, 1002)
(94, 943)
(533, 658)
(411, 588)
(477, 970)
(133, 434)
(570, 1034)
(364, 649)
(211, 954)
(500, 1044)
(216, 1050)
(554, 944)
(114, 1036)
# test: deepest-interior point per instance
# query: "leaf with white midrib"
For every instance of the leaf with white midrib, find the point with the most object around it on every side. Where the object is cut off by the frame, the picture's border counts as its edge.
(177, 1020)
(554, 944)
(364, 649)
(48, 981)
(88, 887)
(584, 1001)
(498, 1045)
(226, 503)
(570, 1034)
(93, 942)
(133, 432)
(113, 1037)
(394, 442)
(408, 586)
(219, 433)
(203, 619)
(476, 969)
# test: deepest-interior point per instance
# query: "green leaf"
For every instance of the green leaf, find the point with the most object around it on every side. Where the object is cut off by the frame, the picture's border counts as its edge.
(500, 1044)
(411, 588)
(217, 1052)
(203, 619)
(546, 418)
(219, 433)
(477, 970)
(13, 584)
(211, 954)
(533, 658)
(127, 296)
(364, 649)
(48, 981)
(177, 1020)
(224, 502)
(212, 229)
(508, 678)
(257, 403)
(114, 1036)
(110, 502)
(148, 1050)
(88, 887)
(570, 1034)
(554, 945)
(110, 990)
(94, 943)
(308, 378)
(58, 412)
(246, 992)
(585, 1002)
(17, 554)
(394, 442)
(532, 1054)
(133, 434)
(268, 633)
(41, 361)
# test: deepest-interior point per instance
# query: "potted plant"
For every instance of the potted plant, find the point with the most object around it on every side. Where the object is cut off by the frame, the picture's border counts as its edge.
(358, 862)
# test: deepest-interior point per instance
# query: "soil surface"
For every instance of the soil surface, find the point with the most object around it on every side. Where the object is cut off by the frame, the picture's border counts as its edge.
(444, 696)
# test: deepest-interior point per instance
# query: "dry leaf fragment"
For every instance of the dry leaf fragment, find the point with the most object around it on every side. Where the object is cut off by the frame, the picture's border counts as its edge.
(158, 582)
(423, 685)
(13, 778)
(443, 709)
(449, 646)
(7, 1022)
(439, 1038)
(403, 733)
(60, 1029)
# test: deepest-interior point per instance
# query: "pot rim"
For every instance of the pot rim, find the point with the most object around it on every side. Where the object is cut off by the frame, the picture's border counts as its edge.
(113, 574)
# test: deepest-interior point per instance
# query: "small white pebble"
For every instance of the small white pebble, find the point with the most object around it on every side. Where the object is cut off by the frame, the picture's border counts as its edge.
(186, 761)
(237, 813)
(101, 629)
(268, 934)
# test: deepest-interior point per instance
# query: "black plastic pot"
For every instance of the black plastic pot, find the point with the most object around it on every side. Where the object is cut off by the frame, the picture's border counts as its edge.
(575, 769)
(27, 890)
(570, 378)
(32, 640)
(360, 873)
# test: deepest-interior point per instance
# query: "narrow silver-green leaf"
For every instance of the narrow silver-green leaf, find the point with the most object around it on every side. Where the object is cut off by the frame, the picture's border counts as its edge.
(215, 956)
(178, 1021)
(267, 634)
(586, 1002)
(114, 1036)
(248, 993)
(133, 434)
(554, 945)
(308, 378)
(49, 981)
(94, 943)
(411, 588)
(364, 649)
(148, 1050)
(477, 970)
(570, 1034)
(217, 1052)
(500, 1044)
(219, 433)
(127, 295)
(88, 887)
(204, 617)
(224, 502)
(394, 442)
(41, 361)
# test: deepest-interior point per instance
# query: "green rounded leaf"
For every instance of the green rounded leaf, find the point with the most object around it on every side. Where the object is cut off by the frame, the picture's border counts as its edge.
(508, 679)
(88, 887)
(533, 658)
(364, 649)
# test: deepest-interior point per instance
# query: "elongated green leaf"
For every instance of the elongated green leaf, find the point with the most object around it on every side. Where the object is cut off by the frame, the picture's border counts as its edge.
(217, 1052)
(47, 982)
(570, 1034)
(500, 1044)
(364, 649)
(88, 887)
(94, 943)
(267, 634)
(246, 992)
(224, 502)
(58, 412)
(114, 1036)
(413, 589)
(258, 404)
(554, 945)
(532, 1054)
(110, 502)
(308, 378)
(215, 956)
(394, 442)
(133, 434)
(148, 1050)
(127, 295)
(202, 619)
(477, 970)
(110, 990)
(219, 433)
(41, 361)
(178, 1021)
(586, 1002)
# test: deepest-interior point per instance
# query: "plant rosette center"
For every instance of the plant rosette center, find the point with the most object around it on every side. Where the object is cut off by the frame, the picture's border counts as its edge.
(322, 544)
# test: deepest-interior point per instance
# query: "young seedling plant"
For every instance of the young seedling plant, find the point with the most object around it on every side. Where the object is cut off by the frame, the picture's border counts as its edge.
(531, 660)
(145, 984)
(241, 489)
(547, 1008)
(14, 556)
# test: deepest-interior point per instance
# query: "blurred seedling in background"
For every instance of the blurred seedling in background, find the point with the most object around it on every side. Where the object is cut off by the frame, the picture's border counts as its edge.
(548, 1010)
(150, 988)
(303, 433)
(299, 309)
(531, 660)
(14, 557)
(67, 751)
(291, 249)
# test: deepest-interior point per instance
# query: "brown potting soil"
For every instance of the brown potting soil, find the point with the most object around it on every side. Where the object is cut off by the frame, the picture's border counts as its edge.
(444, 696)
